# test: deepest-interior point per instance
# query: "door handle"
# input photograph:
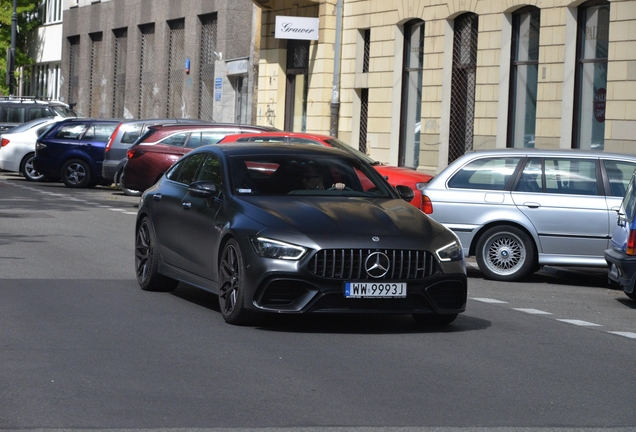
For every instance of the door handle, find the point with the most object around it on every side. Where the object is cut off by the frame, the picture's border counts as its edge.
(157, 197)
(186, 205)
(531, 205)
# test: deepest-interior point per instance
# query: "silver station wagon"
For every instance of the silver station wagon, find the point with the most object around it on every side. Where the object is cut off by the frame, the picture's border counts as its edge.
(516, 210)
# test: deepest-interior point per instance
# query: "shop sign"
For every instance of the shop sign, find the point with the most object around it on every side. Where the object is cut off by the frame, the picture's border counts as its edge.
(600, 97)
(288, 27)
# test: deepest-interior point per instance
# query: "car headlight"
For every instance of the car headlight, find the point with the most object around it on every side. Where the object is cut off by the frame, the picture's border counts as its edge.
(450, 252)
(269, 248)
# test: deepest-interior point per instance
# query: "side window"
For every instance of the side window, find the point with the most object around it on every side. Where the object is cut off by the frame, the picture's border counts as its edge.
(618, 173)
(15, 114)
(211, 171)
(570, 176)
(486, 173)
(131, 133)
(38, 112)
(104, 131)
(71, 131)
(185, 170)
(194, 141)
(176, 139)
(531, 179)
(214, 137)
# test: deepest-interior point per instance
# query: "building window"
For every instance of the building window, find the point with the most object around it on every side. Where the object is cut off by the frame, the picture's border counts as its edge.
(297, 85)
(524, 77)
(463, 83)
(44, 81)
(413, 68)
(367, 50)
(241, 99)
(591, 75)
(146, 72)
(364, 117)
(95, 98)
(51, 11)
(119, 71)
(73, 69)
(176, 61)
(207, 58)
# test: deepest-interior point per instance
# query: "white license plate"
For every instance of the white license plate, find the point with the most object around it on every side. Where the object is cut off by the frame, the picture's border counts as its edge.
(375, 289)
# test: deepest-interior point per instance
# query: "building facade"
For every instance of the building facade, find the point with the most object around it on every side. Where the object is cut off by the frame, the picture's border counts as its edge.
(42, 79)
(420, 82)
(160, 58)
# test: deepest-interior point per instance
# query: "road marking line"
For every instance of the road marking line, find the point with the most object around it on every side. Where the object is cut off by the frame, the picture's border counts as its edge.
(533, 311)
(117, 209)
(630, 335)
(579, 323)
(487, 300)
(132, 213)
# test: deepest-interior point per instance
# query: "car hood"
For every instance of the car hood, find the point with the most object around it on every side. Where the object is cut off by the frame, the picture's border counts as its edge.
(345, 216)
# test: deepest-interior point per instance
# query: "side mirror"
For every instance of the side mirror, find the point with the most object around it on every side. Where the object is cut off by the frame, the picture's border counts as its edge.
(202, 189)
(405, 192)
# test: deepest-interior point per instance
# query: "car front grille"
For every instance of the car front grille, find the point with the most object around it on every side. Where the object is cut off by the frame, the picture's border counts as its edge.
(349, 264)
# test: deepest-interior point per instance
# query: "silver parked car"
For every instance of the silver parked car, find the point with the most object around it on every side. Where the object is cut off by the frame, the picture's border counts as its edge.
(515, 210)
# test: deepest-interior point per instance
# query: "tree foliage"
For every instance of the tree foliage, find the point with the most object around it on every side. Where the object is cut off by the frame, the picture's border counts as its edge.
(28, 19)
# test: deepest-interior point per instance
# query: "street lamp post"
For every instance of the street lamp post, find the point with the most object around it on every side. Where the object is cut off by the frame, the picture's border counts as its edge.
(11, 62)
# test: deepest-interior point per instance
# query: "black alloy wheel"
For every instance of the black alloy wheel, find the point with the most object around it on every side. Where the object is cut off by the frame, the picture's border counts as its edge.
(231, 285)
(76, 173)
(147, 262)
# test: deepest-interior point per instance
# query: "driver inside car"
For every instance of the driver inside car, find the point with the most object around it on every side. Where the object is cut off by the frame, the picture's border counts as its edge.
(313, 180)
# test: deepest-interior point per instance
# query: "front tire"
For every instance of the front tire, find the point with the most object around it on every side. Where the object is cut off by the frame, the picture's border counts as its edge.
(76, 173)
(28, 171)
(505, 253)
(147, 261)
(232, 285)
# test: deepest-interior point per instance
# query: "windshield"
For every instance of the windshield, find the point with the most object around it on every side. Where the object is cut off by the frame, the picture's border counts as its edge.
(63, 111)
(326, 175)
(335, 142)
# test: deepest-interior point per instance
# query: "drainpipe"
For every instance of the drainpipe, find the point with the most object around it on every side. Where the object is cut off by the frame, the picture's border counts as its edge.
(335, 91)
(11, 65)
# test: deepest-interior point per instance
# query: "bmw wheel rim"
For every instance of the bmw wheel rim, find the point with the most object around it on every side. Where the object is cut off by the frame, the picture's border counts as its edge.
(504, 254)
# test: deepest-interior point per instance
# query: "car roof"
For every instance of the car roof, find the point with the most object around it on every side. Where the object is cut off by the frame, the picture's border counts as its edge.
(242, 149)
(536, 152)
(88, 120)
(319, 137)
(202, 125)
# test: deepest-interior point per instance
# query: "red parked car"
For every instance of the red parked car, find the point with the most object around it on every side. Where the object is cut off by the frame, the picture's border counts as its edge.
(162, 145)
(395, 175)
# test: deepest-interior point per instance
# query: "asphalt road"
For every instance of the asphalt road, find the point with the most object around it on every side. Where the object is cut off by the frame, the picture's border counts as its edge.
(83, 348)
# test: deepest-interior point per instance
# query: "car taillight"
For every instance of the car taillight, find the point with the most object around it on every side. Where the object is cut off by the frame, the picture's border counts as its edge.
(112, 138)
(134, 152)
(4, 142)
(427, 205)
(631, 243)
(39, 146)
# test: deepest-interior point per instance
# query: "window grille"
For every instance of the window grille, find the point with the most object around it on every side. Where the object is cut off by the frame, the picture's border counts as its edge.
(364, 117)
(146, 73)
(119, 71)
(176, 60)
(297, 57)
(463, 84)
(206, 66)
(74, 65)
(367, 51)
(95, 97)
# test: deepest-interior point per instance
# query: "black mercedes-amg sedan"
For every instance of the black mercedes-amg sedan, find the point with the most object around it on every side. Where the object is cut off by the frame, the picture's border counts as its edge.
(289, 228)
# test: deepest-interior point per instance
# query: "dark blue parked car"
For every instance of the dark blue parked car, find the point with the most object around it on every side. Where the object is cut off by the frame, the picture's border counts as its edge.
(621, 256)
(73, 151)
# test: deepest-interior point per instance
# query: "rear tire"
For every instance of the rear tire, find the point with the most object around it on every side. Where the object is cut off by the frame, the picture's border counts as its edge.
(28, 171)
(125, 190)
(76, 173)
(505, 253)
(147, 261)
